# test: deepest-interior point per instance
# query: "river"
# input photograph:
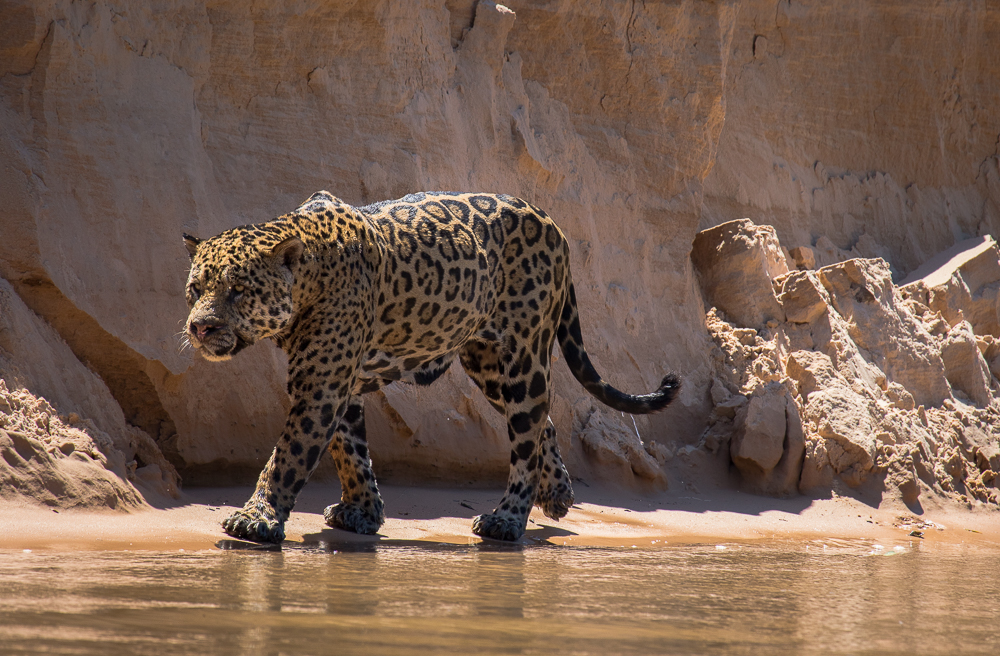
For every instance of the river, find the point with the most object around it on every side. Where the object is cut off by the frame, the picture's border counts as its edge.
(794, 597)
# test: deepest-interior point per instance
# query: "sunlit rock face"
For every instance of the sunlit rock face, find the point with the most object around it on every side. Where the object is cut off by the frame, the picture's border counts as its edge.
(833, 127)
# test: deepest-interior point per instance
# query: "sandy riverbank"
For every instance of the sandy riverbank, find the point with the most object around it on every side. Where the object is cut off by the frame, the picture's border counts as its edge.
(444, 515)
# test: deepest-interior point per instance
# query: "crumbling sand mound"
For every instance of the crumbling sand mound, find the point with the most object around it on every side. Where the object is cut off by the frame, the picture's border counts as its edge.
(838, 375)
(45, 458)
(86, 455)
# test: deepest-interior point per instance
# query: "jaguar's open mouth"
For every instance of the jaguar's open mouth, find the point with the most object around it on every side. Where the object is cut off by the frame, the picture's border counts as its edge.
(220, 345)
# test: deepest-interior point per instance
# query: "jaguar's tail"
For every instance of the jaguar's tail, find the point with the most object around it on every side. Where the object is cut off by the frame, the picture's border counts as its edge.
(571, 343)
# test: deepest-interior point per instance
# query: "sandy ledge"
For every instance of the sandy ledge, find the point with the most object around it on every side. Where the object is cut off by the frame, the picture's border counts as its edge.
(443, 515)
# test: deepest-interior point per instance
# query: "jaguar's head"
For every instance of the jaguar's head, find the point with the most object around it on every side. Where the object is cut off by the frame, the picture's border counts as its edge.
(239, 289)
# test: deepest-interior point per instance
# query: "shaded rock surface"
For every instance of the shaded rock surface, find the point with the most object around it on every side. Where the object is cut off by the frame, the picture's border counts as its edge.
(635, 125)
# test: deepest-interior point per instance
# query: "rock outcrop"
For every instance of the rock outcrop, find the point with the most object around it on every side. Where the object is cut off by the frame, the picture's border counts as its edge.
(862, 381)
(636, 126)
(737, 261)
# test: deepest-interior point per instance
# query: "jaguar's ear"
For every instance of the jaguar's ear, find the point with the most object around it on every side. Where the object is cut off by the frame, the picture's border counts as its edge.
(191, 243)
(288, 253)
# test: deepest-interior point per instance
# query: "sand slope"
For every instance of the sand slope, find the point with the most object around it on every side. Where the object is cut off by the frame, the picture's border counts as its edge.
(444, 515)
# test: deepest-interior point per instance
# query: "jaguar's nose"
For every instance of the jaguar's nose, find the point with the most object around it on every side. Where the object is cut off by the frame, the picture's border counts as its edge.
(203, 330)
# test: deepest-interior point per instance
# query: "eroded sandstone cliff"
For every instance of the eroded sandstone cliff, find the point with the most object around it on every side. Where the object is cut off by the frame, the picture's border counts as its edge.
(858, 128)
(836, 375)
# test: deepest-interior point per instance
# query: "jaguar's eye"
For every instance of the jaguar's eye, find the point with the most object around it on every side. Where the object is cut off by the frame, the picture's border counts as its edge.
(195, 290)
(239, 289)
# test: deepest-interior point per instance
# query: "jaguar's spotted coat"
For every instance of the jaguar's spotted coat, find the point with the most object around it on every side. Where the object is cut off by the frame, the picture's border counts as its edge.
(360, 297)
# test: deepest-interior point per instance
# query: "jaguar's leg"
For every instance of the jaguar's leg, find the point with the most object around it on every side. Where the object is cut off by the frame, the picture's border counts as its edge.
(555, 490)
(360, 508)
(525, 393)
(308, 430)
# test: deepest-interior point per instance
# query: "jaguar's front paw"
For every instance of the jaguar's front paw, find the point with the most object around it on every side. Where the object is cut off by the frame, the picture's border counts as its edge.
(351, 517)
(497, 527)
(247, 525)
(555, 501)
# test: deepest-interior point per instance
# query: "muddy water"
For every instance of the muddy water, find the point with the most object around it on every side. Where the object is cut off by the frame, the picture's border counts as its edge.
(794, 598)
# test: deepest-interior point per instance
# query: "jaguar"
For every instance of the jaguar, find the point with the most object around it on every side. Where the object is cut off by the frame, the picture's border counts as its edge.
(361, 297)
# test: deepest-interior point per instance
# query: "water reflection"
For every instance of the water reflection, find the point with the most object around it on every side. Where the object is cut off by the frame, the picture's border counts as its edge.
(802, 598)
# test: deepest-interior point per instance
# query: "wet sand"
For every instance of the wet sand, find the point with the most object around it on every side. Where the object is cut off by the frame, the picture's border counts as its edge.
(444, 515)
